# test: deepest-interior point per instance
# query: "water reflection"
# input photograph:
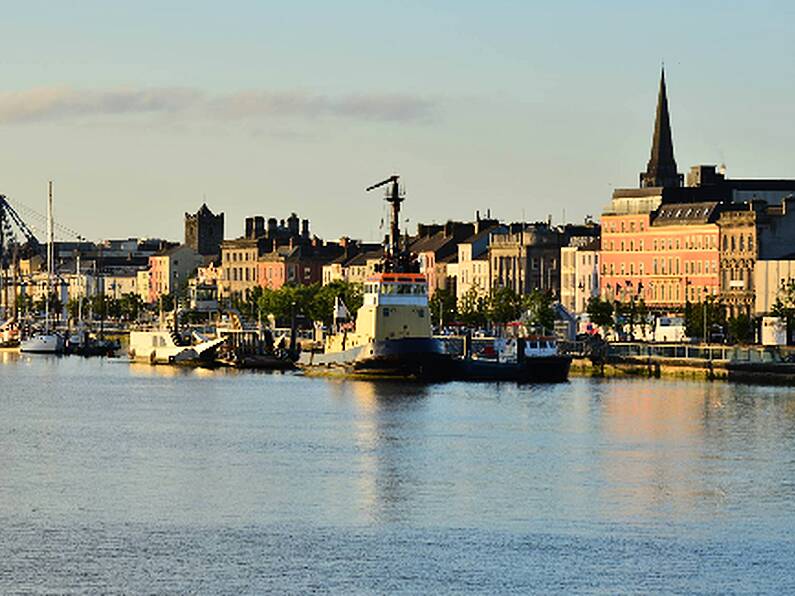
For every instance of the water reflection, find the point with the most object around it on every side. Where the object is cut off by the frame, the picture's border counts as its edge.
(678, 449)
(389, 420)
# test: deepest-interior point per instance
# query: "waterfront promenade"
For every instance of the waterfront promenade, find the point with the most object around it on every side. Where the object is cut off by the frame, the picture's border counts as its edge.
(132, 478)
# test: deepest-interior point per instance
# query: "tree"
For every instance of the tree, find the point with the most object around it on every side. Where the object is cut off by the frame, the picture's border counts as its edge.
(741, 328)
(538, 309)
(505, 305)
(696, 312)
(24, 303)
(55, 303)
(321, 307)
(473, 308)
(443, 304)
(74, 306)
(130, 306)
(601, 313)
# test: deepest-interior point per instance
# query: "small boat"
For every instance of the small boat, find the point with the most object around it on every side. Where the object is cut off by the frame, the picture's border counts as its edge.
(253, 348)
(532, 359)
(82, 343)
(171, 347)
(46, 342)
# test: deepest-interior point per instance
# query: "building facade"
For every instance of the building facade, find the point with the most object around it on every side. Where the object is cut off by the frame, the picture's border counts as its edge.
(170, 269)
(526, 258)
(579, 275)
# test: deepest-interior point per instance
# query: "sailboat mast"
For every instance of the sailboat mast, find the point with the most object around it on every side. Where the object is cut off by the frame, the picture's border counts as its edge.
(50, 256)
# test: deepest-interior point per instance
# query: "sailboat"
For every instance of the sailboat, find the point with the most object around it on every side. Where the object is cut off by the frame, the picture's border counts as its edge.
(46, 341)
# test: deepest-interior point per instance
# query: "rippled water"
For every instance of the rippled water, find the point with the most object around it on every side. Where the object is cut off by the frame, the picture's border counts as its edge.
(126, 478)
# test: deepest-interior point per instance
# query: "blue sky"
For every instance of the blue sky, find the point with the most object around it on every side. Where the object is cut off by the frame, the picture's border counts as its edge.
(138, 111)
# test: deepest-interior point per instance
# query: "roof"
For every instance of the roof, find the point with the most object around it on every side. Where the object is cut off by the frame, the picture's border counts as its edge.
(686, 214)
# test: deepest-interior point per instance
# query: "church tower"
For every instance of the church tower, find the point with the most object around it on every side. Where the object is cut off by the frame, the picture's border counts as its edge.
(661, 169)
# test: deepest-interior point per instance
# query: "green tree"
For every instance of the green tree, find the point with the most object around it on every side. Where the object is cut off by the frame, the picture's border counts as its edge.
(601, 313)
(696, 313)
(321, 307)
(74, 306)
(473, 308)
(537, 306)
(24, 303)
(505, 305)
(741, 329)
(130, 306)
(443, 304)
(40, 305)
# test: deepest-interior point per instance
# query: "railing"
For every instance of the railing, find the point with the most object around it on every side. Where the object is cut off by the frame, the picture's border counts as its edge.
(682, 351)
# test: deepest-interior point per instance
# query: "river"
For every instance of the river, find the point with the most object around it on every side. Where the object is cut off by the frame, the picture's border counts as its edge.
(130, 478)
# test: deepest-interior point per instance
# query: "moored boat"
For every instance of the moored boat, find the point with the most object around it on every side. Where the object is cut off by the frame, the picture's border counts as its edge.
(532, 359)
(391, 335)
(170, 347)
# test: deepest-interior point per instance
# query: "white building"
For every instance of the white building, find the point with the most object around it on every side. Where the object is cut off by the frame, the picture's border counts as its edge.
(579, 279)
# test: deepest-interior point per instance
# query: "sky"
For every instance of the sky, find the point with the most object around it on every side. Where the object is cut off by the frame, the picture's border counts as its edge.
(140, 111)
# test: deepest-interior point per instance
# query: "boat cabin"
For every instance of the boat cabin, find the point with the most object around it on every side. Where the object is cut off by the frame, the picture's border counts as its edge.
(394, 289)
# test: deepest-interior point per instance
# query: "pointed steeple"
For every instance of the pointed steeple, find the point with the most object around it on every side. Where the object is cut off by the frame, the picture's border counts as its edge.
(661, 169)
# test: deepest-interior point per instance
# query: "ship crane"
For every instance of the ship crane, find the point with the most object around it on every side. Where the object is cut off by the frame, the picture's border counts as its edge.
(396, 260)
(9, 247)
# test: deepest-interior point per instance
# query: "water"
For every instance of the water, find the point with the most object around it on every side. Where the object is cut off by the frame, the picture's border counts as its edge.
(120, 478)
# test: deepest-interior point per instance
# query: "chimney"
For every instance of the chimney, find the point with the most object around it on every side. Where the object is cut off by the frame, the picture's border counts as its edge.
(305, 229)
(249, 227)
(272, 225)
(293, 224)
(259, 226)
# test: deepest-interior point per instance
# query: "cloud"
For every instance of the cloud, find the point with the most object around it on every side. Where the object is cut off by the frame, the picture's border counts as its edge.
(59, 103)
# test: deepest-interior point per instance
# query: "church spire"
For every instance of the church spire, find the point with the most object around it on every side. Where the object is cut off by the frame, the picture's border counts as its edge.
(661, 169)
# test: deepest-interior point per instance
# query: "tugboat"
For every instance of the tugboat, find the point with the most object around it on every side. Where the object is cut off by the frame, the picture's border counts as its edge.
(392, 334)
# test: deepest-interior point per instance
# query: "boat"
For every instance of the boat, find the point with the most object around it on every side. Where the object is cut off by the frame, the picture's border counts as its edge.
(82, 343)
(46, 341)
(391, 335)
(529, 359)
(252, 347)
(168, 346)
(9, 334)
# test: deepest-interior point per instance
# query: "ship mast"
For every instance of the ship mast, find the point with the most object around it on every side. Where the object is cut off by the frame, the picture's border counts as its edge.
(394, 260)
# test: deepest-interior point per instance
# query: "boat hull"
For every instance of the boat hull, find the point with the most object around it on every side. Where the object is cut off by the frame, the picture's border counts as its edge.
(421, 358)
(42, 344)
(541, 369)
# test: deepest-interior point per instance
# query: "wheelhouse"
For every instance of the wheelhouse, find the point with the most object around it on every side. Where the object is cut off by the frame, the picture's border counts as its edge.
(396, 288)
